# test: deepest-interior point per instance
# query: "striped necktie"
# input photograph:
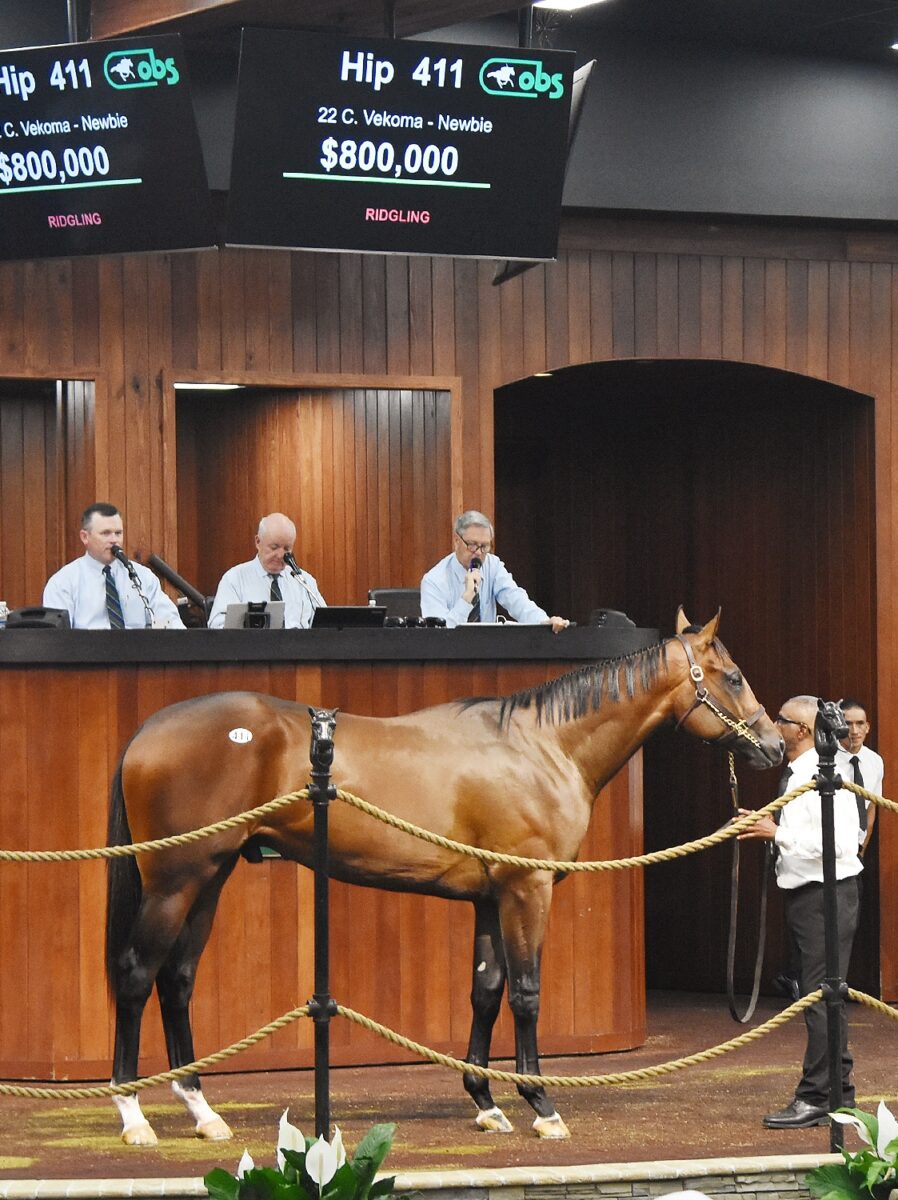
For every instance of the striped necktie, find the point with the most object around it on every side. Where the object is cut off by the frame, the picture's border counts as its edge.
(275, 593)
(113, 601)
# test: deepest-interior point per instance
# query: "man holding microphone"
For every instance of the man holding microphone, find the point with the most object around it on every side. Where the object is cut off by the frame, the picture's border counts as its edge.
(464, 587)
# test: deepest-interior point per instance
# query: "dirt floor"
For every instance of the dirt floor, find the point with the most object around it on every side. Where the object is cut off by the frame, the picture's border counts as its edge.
(707, 1111)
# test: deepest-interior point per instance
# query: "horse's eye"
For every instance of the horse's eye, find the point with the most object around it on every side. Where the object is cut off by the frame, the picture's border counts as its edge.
(734, 679)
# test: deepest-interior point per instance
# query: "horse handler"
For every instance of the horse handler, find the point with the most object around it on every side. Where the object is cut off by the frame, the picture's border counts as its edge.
(798, 838)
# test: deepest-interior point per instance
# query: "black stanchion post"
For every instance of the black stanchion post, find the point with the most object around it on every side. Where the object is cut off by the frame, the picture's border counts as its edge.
(322, 1005)
(828, 728)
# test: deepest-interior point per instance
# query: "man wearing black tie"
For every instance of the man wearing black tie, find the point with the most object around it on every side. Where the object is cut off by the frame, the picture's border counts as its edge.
(464, 587)
(105, 590)
(799, 873)
(859, 764)
(272, 575)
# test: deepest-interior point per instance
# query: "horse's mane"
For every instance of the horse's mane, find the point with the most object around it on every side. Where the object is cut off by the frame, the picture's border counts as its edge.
(578, 692)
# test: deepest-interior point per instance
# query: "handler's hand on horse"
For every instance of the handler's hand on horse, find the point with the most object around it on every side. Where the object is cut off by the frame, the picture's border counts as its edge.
(765, 827)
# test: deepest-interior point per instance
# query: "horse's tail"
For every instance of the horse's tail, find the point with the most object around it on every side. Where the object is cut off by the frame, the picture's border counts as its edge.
(123, 886)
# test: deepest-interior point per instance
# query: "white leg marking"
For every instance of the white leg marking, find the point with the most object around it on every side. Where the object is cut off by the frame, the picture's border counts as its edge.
(136, 1129)
(209, 1124)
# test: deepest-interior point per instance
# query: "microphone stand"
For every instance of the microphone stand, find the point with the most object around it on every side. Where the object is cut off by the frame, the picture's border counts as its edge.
(297, 575)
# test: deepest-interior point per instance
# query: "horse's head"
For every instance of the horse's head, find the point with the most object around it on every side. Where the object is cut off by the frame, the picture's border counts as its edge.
(715, 702)
(829, 728)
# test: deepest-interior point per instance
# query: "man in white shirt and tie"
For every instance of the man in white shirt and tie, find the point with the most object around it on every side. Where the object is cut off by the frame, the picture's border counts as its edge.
(271, 575)
(859, 764)
(799, 874)
(105, 590)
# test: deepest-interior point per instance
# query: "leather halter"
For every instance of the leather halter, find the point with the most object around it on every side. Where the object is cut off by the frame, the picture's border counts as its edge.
(736, 727)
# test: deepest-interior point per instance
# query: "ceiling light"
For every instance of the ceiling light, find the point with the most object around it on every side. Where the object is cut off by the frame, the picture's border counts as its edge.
(565, 5)
(208, 387)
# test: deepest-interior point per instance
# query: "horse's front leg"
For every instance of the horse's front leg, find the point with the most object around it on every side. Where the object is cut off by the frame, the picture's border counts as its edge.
(487, 986)
(524, 912)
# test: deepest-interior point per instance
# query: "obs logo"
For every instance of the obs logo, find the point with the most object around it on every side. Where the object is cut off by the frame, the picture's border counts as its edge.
(138, 68)
(520, 77)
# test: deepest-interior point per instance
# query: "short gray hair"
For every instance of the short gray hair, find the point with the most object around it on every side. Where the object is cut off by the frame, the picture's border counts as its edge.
(473, 517)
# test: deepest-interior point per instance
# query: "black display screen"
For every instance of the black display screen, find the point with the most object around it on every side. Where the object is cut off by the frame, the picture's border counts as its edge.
(99, 152)
(407, 147)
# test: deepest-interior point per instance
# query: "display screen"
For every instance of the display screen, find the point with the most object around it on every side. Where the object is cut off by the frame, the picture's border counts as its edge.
(99, 152)
(407, 147)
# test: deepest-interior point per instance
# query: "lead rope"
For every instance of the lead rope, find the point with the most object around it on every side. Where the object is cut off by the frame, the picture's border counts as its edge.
(734, 915)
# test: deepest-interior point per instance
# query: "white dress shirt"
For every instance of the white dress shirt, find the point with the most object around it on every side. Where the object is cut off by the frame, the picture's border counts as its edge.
(872, 768)
(443, 585)
(249, 582)
(80, 588)
(799, 834)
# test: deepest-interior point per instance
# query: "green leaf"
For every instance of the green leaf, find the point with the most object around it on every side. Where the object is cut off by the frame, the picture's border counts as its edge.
(383, 1187)
(835, 1182)
(343, 1186)
(370, 1153)
(221, 1184)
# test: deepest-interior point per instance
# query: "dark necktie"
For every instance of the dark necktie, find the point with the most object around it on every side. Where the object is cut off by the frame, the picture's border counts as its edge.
(474, 614)
(783, 787)
(861, 803)
(113, 602)
(275, 588)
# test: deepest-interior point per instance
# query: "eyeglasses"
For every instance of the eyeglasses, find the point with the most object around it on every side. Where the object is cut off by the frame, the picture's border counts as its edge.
(781, 720)
(483, 547)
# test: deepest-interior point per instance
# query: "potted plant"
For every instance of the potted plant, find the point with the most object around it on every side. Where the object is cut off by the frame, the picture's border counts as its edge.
(868, 1173)
(307, 1169)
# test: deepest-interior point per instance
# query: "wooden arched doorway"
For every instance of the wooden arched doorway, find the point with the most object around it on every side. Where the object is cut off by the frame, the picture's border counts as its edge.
(642, 484)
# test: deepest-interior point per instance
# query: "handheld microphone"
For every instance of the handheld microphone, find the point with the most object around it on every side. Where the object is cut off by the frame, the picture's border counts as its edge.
(291, 562)
(475, 565)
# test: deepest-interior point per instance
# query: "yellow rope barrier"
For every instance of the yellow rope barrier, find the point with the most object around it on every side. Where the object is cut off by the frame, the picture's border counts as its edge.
(639, 1075)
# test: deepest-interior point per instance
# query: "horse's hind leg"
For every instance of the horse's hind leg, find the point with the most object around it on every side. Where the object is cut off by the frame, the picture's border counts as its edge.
(175, 983)
(524, 911)
(134, 971)
(487, 986)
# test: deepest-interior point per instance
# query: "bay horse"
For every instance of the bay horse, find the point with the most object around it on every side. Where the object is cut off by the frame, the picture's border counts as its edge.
(517, 774)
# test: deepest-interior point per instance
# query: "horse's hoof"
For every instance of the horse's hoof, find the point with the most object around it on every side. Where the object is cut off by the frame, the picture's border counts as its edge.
(215, 1130)
(551, 1127)
(140, 1135)
(493, 1120)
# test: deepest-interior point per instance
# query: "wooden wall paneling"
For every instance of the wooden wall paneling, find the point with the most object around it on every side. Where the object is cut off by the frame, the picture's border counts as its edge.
(689, 306)
(59, 315)
(303, 310)
(838, 359)
(711, 307)
(397, 308)
(479, 430)
(185, 310)
(38, 336)
(443, 333)
(600, 322)
(775, 313)
(19, 883)
(753, 310)
(373, 327)
(257, 300)
(797, 317)
(623, 308)
(351, 347)
(667, 306)
(512, 337)
(533, 317)
(421, 306)
(12, 306)
(818, 321)
(578, 307)
(110, 415)
(642, 292)
(732, 307)
(467, 356)
(558, 352)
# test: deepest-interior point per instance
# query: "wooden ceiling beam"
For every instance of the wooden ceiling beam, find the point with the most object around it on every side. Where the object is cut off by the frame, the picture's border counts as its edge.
(118, 18)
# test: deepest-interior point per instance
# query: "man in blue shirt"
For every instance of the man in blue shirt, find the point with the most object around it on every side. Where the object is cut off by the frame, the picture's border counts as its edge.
(464, 587)
(99, 591)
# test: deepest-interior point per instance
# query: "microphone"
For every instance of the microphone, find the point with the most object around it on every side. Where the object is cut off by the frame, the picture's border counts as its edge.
(291, 563)
(475, 565)
(126, 562)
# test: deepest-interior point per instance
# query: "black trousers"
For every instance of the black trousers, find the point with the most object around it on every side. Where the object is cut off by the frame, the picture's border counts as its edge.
(804, 926)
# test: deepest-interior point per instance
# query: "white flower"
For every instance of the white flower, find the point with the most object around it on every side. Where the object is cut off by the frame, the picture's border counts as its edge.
(289, 1138)
(321, 1161)
(246, 1164)
(887, 1128)
(337, 1143)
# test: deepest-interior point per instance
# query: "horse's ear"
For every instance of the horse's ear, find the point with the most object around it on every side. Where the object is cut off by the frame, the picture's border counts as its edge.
(683, 621)
(709, 631)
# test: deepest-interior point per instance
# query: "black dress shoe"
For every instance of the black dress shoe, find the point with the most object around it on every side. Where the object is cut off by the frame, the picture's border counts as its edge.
(798, 1115)
(787, 985)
